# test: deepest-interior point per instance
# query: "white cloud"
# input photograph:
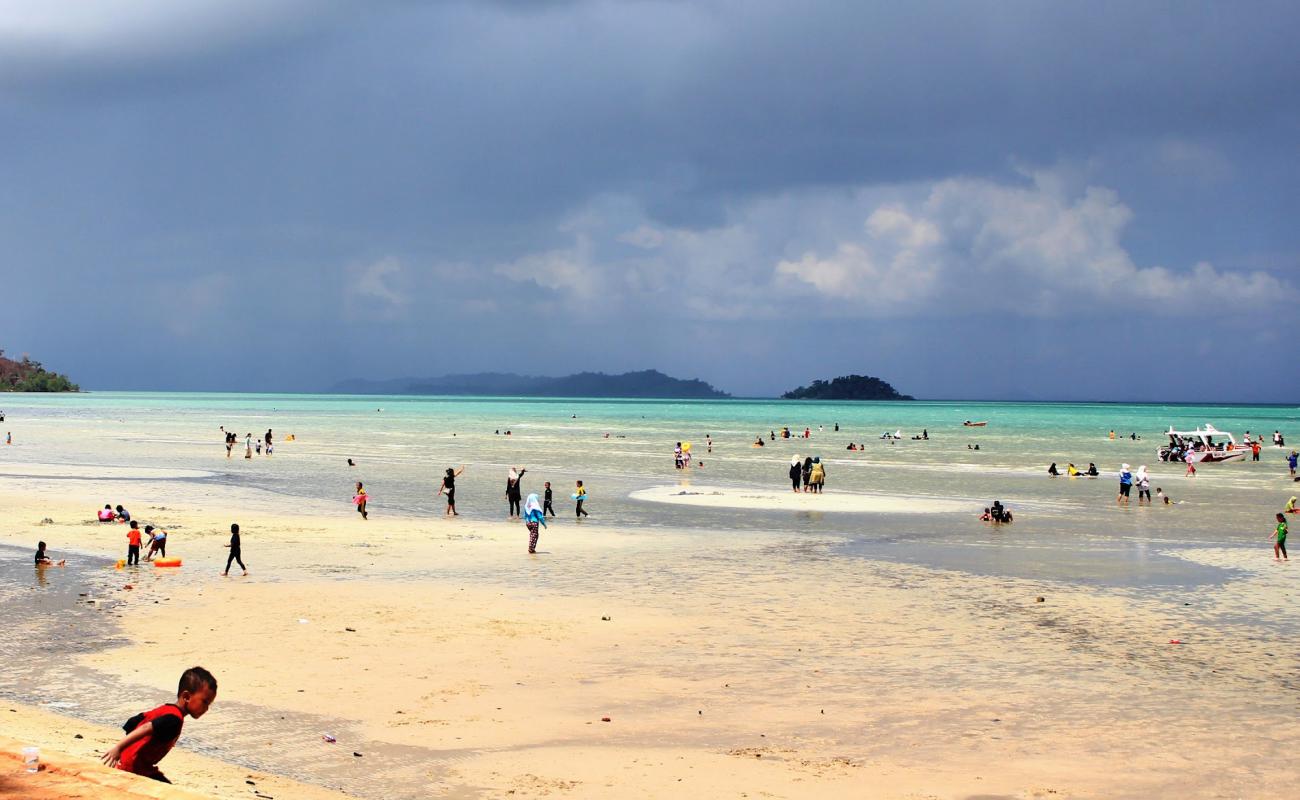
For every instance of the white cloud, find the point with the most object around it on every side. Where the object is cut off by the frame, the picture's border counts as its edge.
(62, 35)
(645, 236)
(372, 287)
(1040, 247)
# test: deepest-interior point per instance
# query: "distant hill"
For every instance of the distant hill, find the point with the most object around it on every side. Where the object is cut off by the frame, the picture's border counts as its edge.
(30, 376)
(647, 383)
(847, 387)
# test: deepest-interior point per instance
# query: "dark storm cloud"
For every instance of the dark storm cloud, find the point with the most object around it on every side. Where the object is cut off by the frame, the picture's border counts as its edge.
(299, 192)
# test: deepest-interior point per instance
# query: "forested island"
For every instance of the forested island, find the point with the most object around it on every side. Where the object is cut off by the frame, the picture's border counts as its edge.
(29, 376)
(644, 384)
(847, 387)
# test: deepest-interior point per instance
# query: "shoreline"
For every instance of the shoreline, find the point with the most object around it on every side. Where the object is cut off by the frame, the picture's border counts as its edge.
(472, 667)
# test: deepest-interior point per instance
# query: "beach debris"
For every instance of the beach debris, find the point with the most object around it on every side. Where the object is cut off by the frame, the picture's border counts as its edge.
(1040, 600)
(327, 736)
(47, 521)
(606, 619)
(350, 630)
(303, 621)
(78, 736)
(355, 753)
(604, 719)
(128, 587)
(250, 783)
(1175, 641)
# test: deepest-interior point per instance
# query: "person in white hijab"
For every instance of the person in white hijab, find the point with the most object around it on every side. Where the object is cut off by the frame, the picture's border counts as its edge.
(796, 471)
(533, 517)
(1143, 481)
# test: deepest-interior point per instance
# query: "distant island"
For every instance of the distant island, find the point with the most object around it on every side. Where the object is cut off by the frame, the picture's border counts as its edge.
(647, 383)
(30, 376)
(847, 387)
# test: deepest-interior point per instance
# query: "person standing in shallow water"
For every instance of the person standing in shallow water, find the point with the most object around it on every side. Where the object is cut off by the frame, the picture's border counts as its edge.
(1279, 545)
(796, 471)
(513, 491)
(360, 498)
(449, 488)
(533, 517)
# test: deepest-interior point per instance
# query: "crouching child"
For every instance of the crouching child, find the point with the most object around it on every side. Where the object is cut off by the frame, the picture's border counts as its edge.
(151, 735)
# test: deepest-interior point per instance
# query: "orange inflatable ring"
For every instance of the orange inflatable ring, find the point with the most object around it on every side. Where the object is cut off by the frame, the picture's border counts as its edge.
(166, 562)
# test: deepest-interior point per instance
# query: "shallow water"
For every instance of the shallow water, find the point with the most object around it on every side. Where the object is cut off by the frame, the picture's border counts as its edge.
(1066, 529)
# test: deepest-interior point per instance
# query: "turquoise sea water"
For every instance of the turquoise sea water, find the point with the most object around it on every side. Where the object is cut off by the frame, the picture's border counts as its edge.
(1065, 529)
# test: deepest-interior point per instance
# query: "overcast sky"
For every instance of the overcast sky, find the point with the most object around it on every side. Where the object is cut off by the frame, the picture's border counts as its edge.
(970, 200)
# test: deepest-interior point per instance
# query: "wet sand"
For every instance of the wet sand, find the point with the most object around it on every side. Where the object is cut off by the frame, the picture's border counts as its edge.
(728, 665)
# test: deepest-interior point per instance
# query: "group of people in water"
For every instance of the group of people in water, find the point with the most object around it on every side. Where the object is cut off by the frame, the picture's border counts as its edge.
(809, 473)
(1073, 471)
(265, 444)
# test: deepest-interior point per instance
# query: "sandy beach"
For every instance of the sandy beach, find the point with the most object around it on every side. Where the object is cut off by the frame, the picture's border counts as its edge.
(655, 665)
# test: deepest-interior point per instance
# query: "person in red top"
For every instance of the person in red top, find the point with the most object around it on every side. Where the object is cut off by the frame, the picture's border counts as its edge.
(133, 543)
(151, 735)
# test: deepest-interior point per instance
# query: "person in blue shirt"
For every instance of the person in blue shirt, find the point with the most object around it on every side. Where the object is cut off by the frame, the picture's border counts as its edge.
(1125, 484)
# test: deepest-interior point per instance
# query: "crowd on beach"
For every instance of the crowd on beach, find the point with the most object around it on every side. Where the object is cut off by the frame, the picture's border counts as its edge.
(150, 735)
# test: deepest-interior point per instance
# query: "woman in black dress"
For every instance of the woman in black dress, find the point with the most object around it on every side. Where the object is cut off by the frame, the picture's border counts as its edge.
(514, 494)
(449, 488)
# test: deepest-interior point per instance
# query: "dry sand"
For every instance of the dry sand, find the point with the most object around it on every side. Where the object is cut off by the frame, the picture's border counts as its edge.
(728, 667)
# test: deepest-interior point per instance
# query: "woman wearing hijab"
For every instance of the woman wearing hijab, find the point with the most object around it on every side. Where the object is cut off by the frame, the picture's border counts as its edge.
(533, 517)
(796, 471)
(806, 473)
(1143, 481)
(818, 475)
(513, 492)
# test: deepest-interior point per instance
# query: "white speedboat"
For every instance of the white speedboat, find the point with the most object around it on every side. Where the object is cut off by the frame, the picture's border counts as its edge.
(1206, 445)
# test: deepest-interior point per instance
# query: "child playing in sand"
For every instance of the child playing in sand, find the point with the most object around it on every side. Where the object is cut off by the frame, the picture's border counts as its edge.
(581, 496)
(1279, 546)
(234, 550)
(43, 560)
(106, 513)
(133, 544)
(151, 734)
(157, 542)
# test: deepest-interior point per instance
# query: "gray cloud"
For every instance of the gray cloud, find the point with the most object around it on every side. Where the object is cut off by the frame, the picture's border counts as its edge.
(335, 187)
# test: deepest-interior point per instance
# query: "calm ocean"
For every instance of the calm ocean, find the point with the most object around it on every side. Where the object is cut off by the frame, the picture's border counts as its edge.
(1065, 530)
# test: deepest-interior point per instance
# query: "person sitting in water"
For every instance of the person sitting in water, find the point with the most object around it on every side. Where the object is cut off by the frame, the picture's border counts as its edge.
(1290, 505)
(43, 560)
(986, 516)
(851, 446)
(1052, 470)
(106, 513)
(758, 442)
(1162, 497)
(1092, 470)
(1000, 512)
(1072, 470)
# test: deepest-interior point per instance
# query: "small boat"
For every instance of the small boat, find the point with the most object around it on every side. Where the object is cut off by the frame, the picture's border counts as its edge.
(1201, 447)
(969, 424)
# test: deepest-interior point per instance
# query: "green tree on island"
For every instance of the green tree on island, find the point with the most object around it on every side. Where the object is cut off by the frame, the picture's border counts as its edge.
(847, 387)
(30, 376)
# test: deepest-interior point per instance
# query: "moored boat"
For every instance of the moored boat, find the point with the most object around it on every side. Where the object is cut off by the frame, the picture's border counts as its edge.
(1206, 445)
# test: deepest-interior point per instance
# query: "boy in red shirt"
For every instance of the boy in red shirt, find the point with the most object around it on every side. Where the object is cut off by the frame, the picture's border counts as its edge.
(150, 735)
(133, 543)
